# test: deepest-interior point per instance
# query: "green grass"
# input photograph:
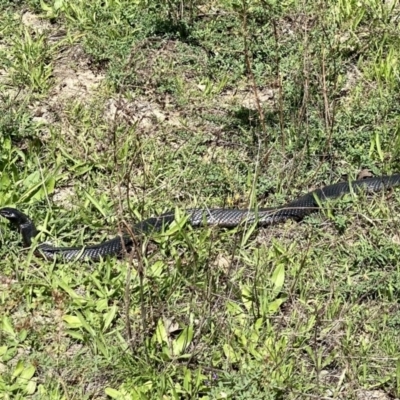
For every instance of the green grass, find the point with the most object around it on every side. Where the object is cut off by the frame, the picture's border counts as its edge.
(114, 111)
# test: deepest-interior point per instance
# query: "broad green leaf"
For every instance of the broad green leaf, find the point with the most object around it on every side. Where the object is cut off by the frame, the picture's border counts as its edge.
(116, 394)
(6, 326)
(183, 340)
(22, 335)
(28, 372)
(64, 285)
(75, 334)
(5, 181)
(278, 279)
(10, 353)
(58, 4)
(242, 338)
(109, 317)
(247, 297)
(187, 380)
(101, 305)
(274, 305)
(3, 350)
(45, 7)
(50, 184)
(101, 346)
(237, 312)
(18, 369)
(230, 353)
(156, 269)
(7, 144)
(279, 249)
(161, 333)
(31, 387)
(84, 323)
(165, 353)
(102, 293)
(73, 321)
(179, 222)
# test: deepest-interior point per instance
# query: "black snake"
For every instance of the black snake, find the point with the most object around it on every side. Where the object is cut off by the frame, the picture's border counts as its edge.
(196, 217)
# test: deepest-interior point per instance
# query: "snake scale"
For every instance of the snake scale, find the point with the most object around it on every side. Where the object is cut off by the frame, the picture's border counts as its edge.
(196, 217)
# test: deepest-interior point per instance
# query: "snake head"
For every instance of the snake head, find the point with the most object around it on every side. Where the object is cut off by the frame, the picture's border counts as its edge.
(17, 218)
(21, 222)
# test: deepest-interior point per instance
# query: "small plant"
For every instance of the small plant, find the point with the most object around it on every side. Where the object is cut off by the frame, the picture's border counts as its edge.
(30, 61)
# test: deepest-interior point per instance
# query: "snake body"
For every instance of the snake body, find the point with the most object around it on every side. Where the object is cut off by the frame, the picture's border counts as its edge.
(196, 217)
